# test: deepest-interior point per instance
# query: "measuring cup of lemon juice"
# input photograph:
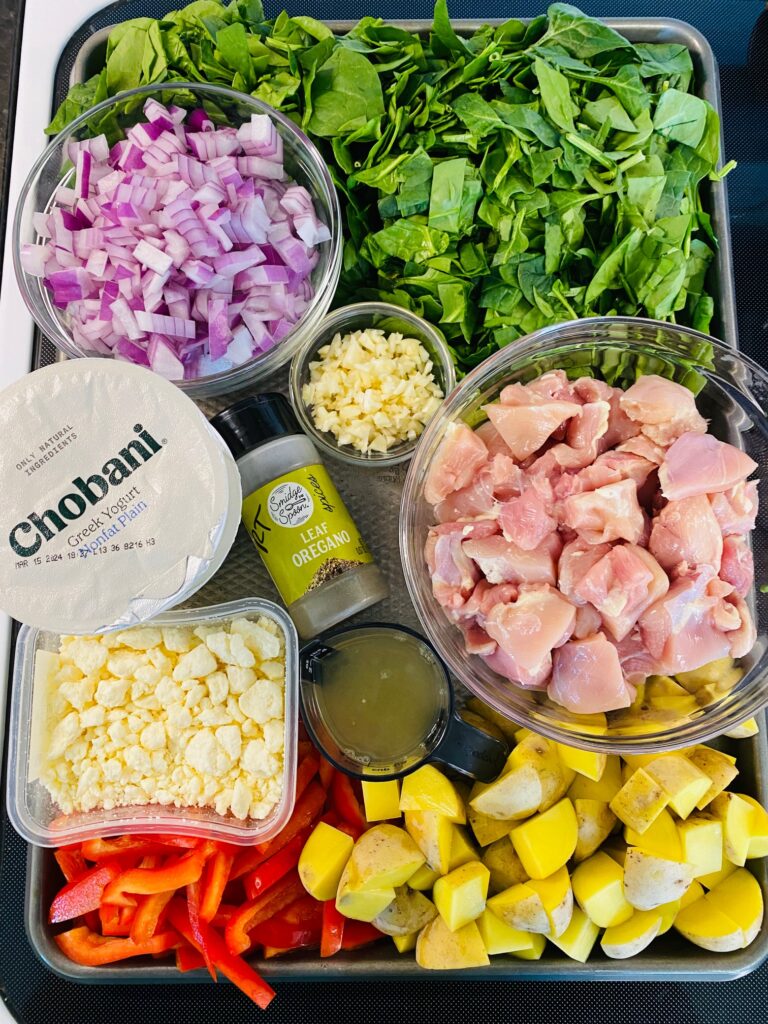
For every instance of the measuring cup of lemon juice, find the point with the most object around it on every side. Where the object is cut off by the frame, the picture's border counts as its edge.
(378, 701)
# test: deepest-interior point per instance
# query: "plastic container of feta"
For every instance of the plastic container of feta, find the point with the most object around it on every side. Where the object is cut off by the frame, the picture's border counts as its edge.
(36, 817)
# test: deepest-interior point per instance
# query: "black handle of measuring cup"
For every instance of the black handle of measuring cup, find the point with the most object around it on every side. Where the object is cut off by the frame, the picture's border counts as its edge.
(471, 751)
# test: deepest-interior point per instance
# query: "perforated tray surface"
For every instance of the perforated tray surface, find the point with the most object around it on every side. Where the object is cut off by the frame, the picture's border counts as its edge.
(34, 994)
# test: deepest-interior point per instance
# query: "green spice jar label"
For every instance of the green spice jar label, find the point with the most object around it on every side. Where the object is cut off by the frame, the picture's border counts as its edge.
(303, 530)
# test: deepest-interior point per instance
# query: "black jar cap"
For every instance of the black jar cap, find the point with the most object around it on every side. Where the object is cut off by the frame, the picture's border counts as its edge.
(254, 421)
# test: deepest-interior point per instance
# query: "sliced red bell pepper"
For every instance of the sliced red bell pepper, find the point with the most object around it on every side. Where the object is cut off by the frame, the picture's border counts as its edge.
(307, 808)
(132, 847)
(305, 910)
(326, 773)
(262, 877)
(303, 748)
(84, 893)
(223, 914)
(359, 933)
(214, 882)
(199, 932)
(89, 949)
(261, 909)
(284, 935)
(71, 861)
(232, 967)
(333, 929)
(109, 920)
(188, 958)
(149, 911)
(346, 803)
(174, 874)
(306, 771)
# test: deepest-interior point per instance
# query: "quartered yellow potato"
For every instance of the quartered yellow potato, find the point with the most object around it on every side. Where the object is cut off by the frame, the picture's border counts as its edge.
(598, 886)
(701, 840)
(384, 857)
(720, 768)
(546, 842)
(650, 881)
(662, 838)
(632, 936)
(542, 756)
(516, 794)
(440, 949)
(406, 915)
(605, 789)
(681, 780)
(381, 800)
(542, 905)
(423, 879)
(736, 816)
(487, 830)
(745, 730)
(639, 801)
(427, 789)
(433, 835)
(462, 848)
(758, 828)
(578, 938)
(504, 865)
(499, 937)
(460, 895)
(323, 859)
(595, 821)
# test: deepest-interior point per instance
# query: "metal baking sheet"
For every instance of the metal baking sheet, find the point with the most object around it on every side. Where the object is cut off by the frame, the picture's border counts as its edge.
(373, 497)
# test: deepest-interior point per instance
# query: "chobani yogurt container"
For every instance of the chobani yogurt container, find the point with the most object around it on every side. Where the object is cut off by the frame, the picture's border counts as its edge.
(119, 500)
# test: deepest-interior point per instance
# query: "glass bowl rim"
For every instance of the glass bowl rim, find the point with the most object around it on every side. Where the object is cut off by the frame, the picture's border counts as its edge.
(301, 357)
(687, 733)
(330, 277)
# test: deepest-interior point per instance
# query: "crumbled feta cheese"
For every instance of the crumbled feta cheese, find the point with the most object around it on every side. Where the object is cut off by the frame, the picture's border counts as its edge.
(195, 664)
(372, 390)
(172, 716)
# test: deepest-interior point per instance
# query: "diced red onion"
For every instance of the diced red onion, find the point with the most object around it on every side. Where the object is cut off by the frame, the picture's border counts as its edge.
(183, 247)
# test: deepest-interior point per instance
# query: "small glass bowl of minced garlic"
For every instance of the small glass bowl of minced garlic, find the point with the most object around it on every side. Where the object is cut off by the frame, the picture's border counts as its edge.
(370, 380)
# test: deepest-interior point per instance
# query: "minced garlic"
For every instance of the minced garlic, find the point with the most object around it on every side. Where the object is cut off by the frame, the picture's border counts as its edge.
(372, 390)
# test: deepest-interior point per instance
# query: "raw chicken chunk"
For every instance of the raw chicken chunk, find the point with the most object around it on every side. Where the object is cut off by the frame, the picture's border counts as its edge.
(525, 428)
(700, 464)
(587, 677)
(525, 521)
(664, 409)
(625, 582)
(736, 509)
(680, 630)
(737, 566)
(459, 457)
(527, 631)
(501, 561)
(454, 575)
(687, 531)
(498, 480)
(577, 559)
(607, 513)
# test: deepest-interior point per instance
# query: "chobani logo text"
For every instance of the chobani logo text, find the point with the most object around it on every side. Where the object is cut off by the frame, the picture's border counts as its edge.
(27, 537)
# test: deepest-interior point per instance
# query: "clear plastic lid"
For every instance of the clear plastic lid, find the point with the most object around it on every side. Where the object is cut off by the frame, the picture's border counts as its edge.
(38, 820)
(119, 497)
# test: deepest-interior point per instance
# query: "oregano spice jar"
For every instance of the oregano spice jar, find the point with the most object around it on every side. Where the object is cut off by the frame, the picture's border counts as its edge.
(314, 552)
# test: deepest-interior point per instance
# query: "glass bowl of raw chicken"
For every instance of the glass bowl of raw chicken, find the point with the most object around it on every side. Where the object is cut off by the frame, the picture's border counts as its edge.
(580, 534)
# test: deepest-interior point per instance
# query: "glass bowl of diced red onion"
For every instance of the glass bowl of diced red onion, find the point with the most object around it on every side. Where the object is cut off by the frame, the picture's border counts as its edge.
(583, 535)
(188, 228)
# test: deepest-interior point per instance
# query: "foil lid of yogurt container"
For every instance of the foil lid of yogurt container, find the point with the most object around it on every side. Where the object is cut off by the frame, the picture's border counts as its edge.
(119, 500)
